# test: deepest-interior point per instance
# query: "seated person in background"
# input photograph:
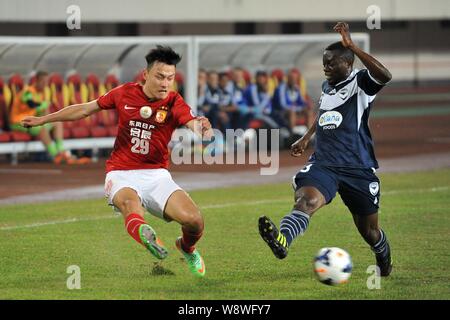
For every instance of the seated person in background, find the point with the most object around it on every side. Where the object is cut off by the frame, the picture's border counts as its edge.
(226, 103)
(307, 112)
(201, 90)
(31, 102)
(237, 87)
(288, 103)
(237, 80)
(211, 107)
(258, 102)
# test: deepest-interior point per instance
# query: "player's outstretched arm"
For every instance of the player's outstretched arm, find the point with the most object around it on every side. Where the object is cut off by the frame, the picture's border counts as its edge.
(376, 69)
(201, 126)
(69, 113)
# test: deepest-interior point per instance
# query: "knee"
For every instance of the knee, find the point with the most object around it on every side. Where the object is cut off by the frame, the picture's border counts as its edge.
(127, 205)
(193, 221)
(308, 204)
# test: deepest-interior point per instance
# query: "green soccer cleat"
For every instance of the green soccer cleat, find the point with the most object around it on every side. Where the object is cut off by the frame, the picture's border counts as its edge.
(194, 260)
(152, 242)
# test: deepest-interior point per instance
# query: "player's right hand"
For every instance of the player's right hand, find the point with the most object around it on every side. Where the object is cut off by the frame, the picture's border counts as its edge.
(299, 146)
(30, 121)
(344, 30)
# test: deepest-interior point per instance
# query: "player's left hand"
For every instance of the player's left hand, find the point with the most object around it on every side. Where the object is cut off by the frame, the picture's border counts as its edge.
(206, 128)
(344, 30)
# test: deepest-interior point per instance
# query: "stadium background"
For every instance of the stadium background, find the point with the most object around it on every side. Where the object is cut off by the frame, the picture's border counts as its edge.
(412, 43)
(410, 121)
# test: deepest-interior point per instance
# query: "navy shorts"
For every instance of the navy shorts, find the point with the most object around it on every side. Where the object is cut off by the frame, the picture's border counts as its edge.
(358, 188)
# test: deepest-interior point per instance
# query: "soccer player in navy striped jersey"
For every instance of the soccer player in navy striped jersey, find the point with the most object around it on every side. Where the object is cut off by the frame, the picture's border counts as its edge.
(344, 159)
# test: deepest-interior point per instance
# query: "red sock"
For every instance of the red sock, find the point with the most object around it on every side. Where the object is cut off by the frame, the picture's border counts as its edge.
(189, 239)
(132, 223)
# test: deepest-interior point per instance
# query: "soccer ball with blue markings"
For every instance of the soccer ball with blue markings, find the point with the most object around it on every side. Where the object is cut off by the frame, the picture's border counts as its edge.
(333, 266)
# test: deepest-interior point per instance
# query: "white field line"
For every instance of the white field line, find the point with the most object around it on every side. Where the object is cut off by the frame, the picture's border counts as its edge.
(409, 191)
(113, 216)
(213, 206)
(31, 171)
(49, 223)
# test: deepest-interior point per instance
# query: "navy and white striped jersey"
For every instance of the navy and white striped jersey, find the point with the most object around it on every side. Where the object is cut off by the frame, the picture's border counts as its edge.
(343, 137)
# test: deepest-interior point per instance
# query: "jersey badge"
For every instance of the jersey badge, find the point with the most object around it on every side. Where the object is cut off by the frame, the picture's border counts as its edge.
(374, 187)
(161, 114)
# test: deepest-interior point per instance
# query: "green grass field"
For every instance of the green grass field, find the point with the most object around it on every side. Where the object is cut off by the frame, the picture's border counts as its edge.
(39, 242)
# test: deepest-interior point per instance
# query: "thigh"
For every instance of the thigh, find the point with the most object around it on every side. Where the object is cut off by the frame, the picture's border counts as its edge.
(158, 187)
(181, 208)
(117, 180)
(127, 201)
(319, 177)
(360, 191)
(120, 186)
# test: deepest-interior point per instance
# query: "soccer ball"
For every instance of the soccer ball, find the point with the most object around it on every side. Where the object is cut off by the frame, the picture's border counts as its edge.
(333, 266)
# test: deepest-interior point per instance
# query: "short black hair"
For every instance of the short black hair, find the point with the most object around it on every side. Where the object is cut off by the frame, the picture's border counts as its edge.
(162, 54)
(223, 74)
(344, 52)
(261, 73)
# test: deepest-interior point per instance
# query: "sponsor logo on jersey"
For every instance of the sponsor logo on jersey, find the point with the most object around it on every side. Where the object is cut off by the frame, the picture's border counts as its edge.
(145, 112)
(161, 114)
(330, 120)
(374, 187)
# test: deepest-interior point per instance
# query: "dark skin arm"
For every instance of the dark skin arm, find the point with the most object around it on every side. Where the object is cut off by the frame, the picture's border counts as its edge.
(376, 69)
(299, 146)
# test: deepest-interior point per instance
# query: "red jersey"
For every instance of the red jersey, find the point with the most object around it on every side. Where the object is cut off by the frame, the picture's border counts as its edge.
(145, 127)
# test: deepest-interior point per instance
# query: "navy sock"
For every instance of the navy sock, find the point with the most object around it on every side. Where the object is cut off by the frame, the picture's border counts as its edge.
(294, 224)
(380, 247)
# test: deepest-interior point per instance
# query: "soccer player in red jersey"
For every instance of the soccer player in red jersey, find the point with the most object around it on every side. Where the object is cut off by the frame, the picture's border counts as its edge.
(137, 178)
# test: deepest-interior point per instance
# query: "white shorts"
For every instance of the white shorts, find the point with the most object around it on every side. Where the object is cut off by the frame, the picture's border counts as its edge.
(153, 186)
